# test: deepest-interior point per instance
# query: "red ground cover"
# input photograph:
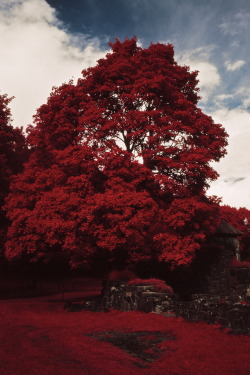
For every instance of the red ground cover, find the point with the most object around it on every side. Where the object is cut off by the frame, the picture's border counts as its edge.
(39, 337)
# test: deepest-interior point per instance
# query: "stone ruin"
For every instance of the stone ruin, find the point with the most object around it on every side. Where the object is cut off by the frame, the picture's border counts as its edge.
(229, 309)
(123, 296)
(225, 300)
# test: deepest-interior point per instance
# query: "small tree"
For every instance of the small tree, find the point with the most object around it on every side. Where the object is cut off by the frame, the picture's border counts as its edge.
(119, 166)
(12, 155)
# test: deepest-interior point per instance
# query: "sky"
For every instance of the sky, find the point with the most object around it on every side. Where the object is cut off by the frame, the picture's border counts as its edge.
(46, 43)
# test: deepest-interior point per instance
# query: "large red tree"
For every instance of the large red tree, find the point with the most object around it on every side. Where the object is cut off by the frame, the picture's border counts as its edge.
(120, 165)
(12, 155)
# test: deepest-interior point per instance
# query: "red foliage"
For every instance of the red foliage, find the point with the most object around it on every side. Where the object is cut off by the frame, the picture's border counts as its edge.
(120, 162)
(159, 285)
(12, 156)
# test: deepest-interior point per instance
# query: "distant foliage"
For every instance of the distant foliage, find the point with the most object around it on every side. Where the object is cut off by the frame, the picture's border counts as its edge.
(119, 165)
(12, 155)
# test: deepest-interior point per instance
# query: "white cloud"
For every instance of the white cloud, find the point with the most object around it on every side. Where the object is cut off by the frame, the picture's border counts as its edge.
(234, 169)
(246, 102)
(236, 23)
(236, 121)
(224, 97)
(37, 53)
(209, 77)
(235, 194)
(232, 66)
(243, 93)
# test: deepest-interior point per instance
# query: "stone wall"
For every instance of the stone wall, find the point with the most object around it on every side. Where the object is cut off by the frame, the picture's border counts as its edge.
(227, 301)
(122, 296)
(228, 312)
(239, 281)
(229, 308)
(218, 274)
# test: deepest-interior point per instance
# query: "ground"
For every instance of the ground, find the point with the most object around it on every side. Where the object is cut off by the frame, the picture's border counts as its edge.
(38, 336)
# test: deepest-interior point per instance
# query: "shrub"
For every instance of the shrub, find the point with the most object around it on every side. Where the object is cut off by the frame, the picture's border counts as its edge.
(159, 285)
(124, 275)
(237, 264)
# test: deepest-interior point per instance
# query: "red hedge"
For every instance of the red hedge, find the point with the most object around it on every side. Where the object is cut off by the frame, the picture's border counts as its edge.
(160, 285)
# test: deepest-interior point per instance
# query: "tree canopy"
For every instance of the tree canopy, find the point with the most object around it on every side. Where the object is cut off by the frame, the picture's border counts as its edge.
(119, 165)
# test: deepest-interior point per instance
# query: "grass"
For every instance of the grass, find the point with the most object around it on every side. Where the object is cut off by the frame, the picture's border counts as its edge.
(38, 336)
